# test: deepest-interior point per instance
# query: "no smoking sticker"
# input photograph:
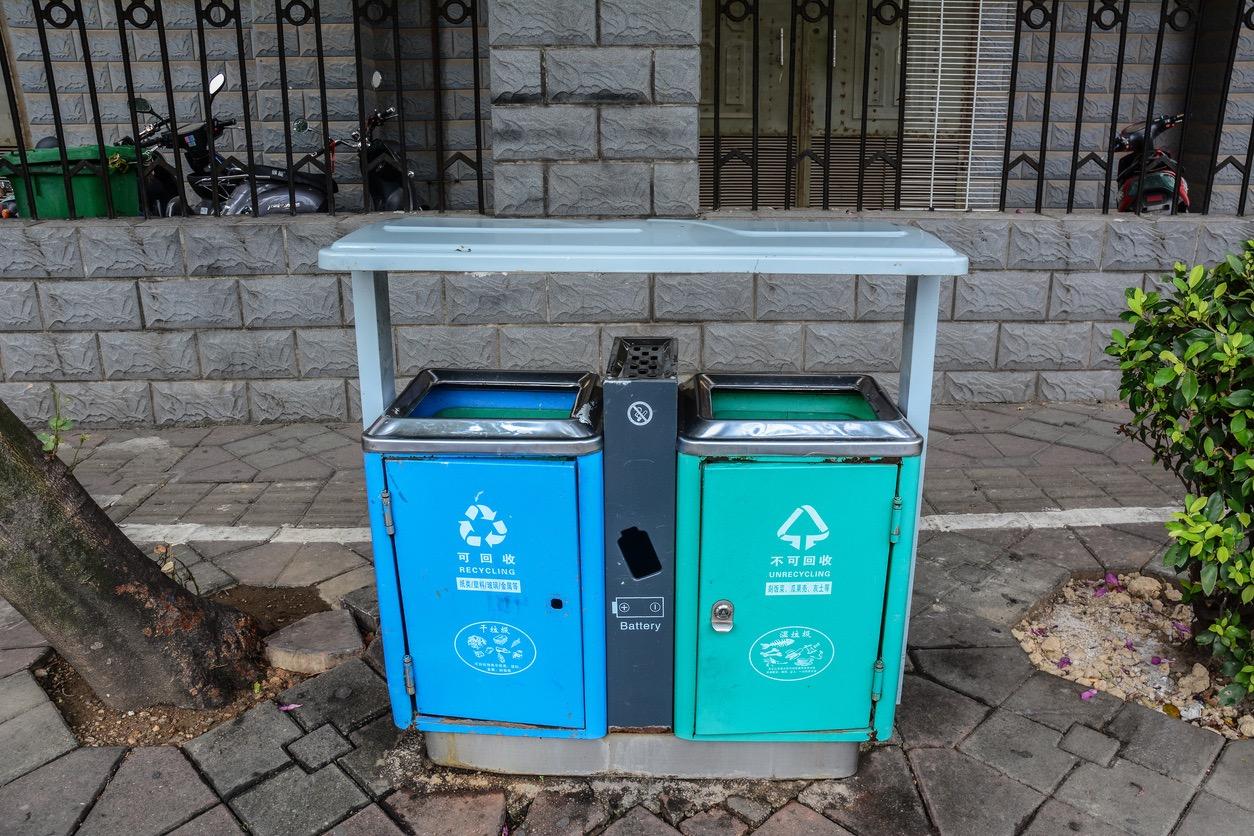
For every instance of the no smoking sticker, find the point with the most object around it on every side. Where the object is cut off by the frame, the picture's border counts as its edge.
(639, 413)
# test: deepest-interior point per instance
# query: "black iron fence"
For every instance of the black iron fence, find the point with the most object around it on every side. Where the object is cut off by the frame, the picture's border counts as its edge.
(978, 104)
(230, 106)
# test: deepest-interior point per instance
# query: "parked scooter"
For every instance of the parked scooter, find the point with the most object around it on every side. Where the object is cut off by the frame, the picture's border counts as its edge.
(209, 170)
(1162, 180)
(387, 176)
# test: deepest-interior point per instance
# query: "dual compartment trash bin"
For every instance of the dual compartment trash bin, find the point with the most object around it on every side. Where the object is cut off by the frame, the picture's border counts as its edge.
(490, 492)
(793, 524)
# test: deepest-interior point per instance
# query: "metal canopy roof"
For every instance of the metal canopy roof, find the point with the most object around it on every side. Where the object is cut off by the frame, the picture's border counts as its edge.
(480, 244)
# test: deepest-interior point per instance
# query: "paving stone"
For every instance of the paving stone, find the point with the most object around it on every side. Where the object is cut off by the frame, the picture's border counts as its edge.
(31, 739)
(450, 814)
(18, 693)
(989, 674)
(969, 798)
(334, 590)
(1230, 779)
(20, 634)
(234, 755)
(932, 715)
(51, 800)
(1127, 796)
(1055, 702)
(1212, 816)
(371, 821)
(318, 748)
(155, 789)
(317, 562)
(1089, 744)
(563, 814)
(347, 696)
(315, 643)
(259, 566)
(1060, 547)
(943, 626)
(1165, 744)
(794, 818)
(713, 822)
(1117, 550)
(754, 812)
(365, 764)
(216, 822)
(1023, 750)
(374, 657)
(20, 659)
(294, 803)
(1058, 819)
(880, 798)
(363, 603)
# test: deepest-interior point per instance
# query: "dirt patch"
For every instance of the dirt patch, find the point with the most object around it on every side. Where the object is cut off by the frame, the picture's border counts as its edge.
(1129, 636)
(273, 607)
(95, 724)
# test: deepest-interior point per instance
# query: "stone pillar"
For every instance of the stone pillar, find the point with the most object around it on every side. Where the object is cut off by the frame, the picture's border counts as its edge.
(595, 107)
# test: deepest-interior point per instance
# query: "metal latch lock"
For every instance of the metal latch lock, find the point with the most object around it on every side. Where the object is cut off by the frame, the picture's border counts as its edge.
(721, 615)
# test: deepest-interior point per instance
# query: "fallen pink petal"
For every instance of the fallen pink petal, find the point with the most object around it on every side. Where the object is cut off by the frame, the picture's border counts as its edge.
(1181, 628)
(1128, 644)
(291, 706)
(1156, 660)
(1089, 694)
(1064, 662)
(1100, 591)
(1112, 580)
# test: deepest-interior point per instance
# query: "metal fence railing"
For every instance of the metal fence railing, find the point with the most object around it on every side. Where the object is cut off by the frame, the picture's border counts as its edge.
(170, 107)
(978, 104)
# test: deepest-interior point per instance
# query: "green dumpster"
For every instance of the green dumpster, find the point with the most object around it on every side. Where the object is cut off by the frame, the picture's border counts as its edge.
(795, 521)
(47, 183)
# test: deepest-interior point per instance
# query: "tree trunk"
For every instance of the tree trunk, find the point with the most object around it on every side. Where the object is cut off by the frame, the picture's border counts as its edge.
(136, 636)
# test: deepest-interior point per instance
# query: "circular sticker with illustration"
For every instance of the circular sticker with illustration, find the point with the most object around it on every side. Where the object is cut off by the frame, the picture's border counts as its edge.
(494, 647)
(788, 654)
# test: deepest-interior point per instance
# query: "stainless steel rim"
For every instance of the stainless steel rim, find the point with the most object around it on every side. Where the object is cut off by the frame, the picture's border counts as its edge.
(576, 434)
(889, 435)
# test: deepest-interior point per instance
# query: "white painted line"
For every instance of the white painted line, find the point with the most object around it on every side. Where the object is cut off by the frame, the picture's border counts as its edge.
(1048, 519)
(291, 534)
(189, 532)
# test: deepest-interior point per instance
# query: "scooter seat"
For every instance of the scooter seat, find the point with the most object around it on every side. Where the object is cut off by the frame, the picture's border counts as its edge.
(300, 178)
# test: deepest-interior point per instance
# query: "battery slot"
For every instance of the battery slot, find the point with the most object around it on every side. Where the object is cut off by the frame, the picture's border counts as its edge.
(638, 553)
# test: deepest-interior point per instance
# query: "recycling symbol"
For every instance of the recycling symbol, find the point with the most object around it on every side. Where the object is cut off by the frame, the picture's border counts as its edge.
(792, 533)
(480, 518)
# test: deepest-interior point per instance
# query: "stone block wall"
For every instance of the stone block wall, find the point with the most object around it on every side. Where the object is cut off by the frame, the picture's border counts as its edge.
(595, 107)
(203, 321)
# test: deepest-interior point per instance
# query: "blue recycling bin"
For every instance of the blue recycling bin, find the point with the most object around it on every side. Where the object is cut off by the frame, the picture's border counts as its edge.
(490, 495)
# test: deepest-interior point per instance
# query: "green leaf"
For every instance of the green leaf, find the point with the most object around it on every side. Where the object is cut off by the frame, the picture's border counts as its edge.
(1188, 387)
(1241, 398)
(1210, 576)
(1164, 376)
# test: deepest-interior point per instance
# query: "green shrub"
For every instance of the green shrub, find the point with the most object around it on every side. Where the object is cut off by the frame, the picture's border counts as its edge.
(1188, 377)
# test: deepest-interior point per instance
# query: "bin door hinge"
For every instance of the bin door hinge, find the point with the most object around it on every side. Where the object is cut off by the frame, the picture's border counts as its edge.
(894, 521)
(409, 675)
(877, 680)
(386, 499)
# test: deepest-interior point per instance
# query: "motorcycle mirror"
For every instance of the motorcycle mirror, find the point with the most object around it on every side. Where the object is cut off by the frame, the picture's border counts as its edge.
(216, 83)
(376, 80)
(301, 126)
(141, 105)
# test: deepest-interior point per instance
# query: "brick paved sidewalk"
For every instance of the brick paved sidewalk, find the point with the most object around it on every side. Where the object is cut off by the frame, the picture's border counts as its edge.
(985, 744)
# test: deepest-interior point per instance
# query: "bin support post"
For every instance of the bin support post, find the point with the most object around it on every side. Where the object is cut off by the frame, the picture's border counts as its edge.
(376, 366)
(918, 359)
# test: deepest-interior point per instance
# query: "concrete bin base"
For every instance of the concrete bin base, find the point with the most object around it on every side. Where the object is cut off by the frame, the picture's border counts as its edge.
(636, 753)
